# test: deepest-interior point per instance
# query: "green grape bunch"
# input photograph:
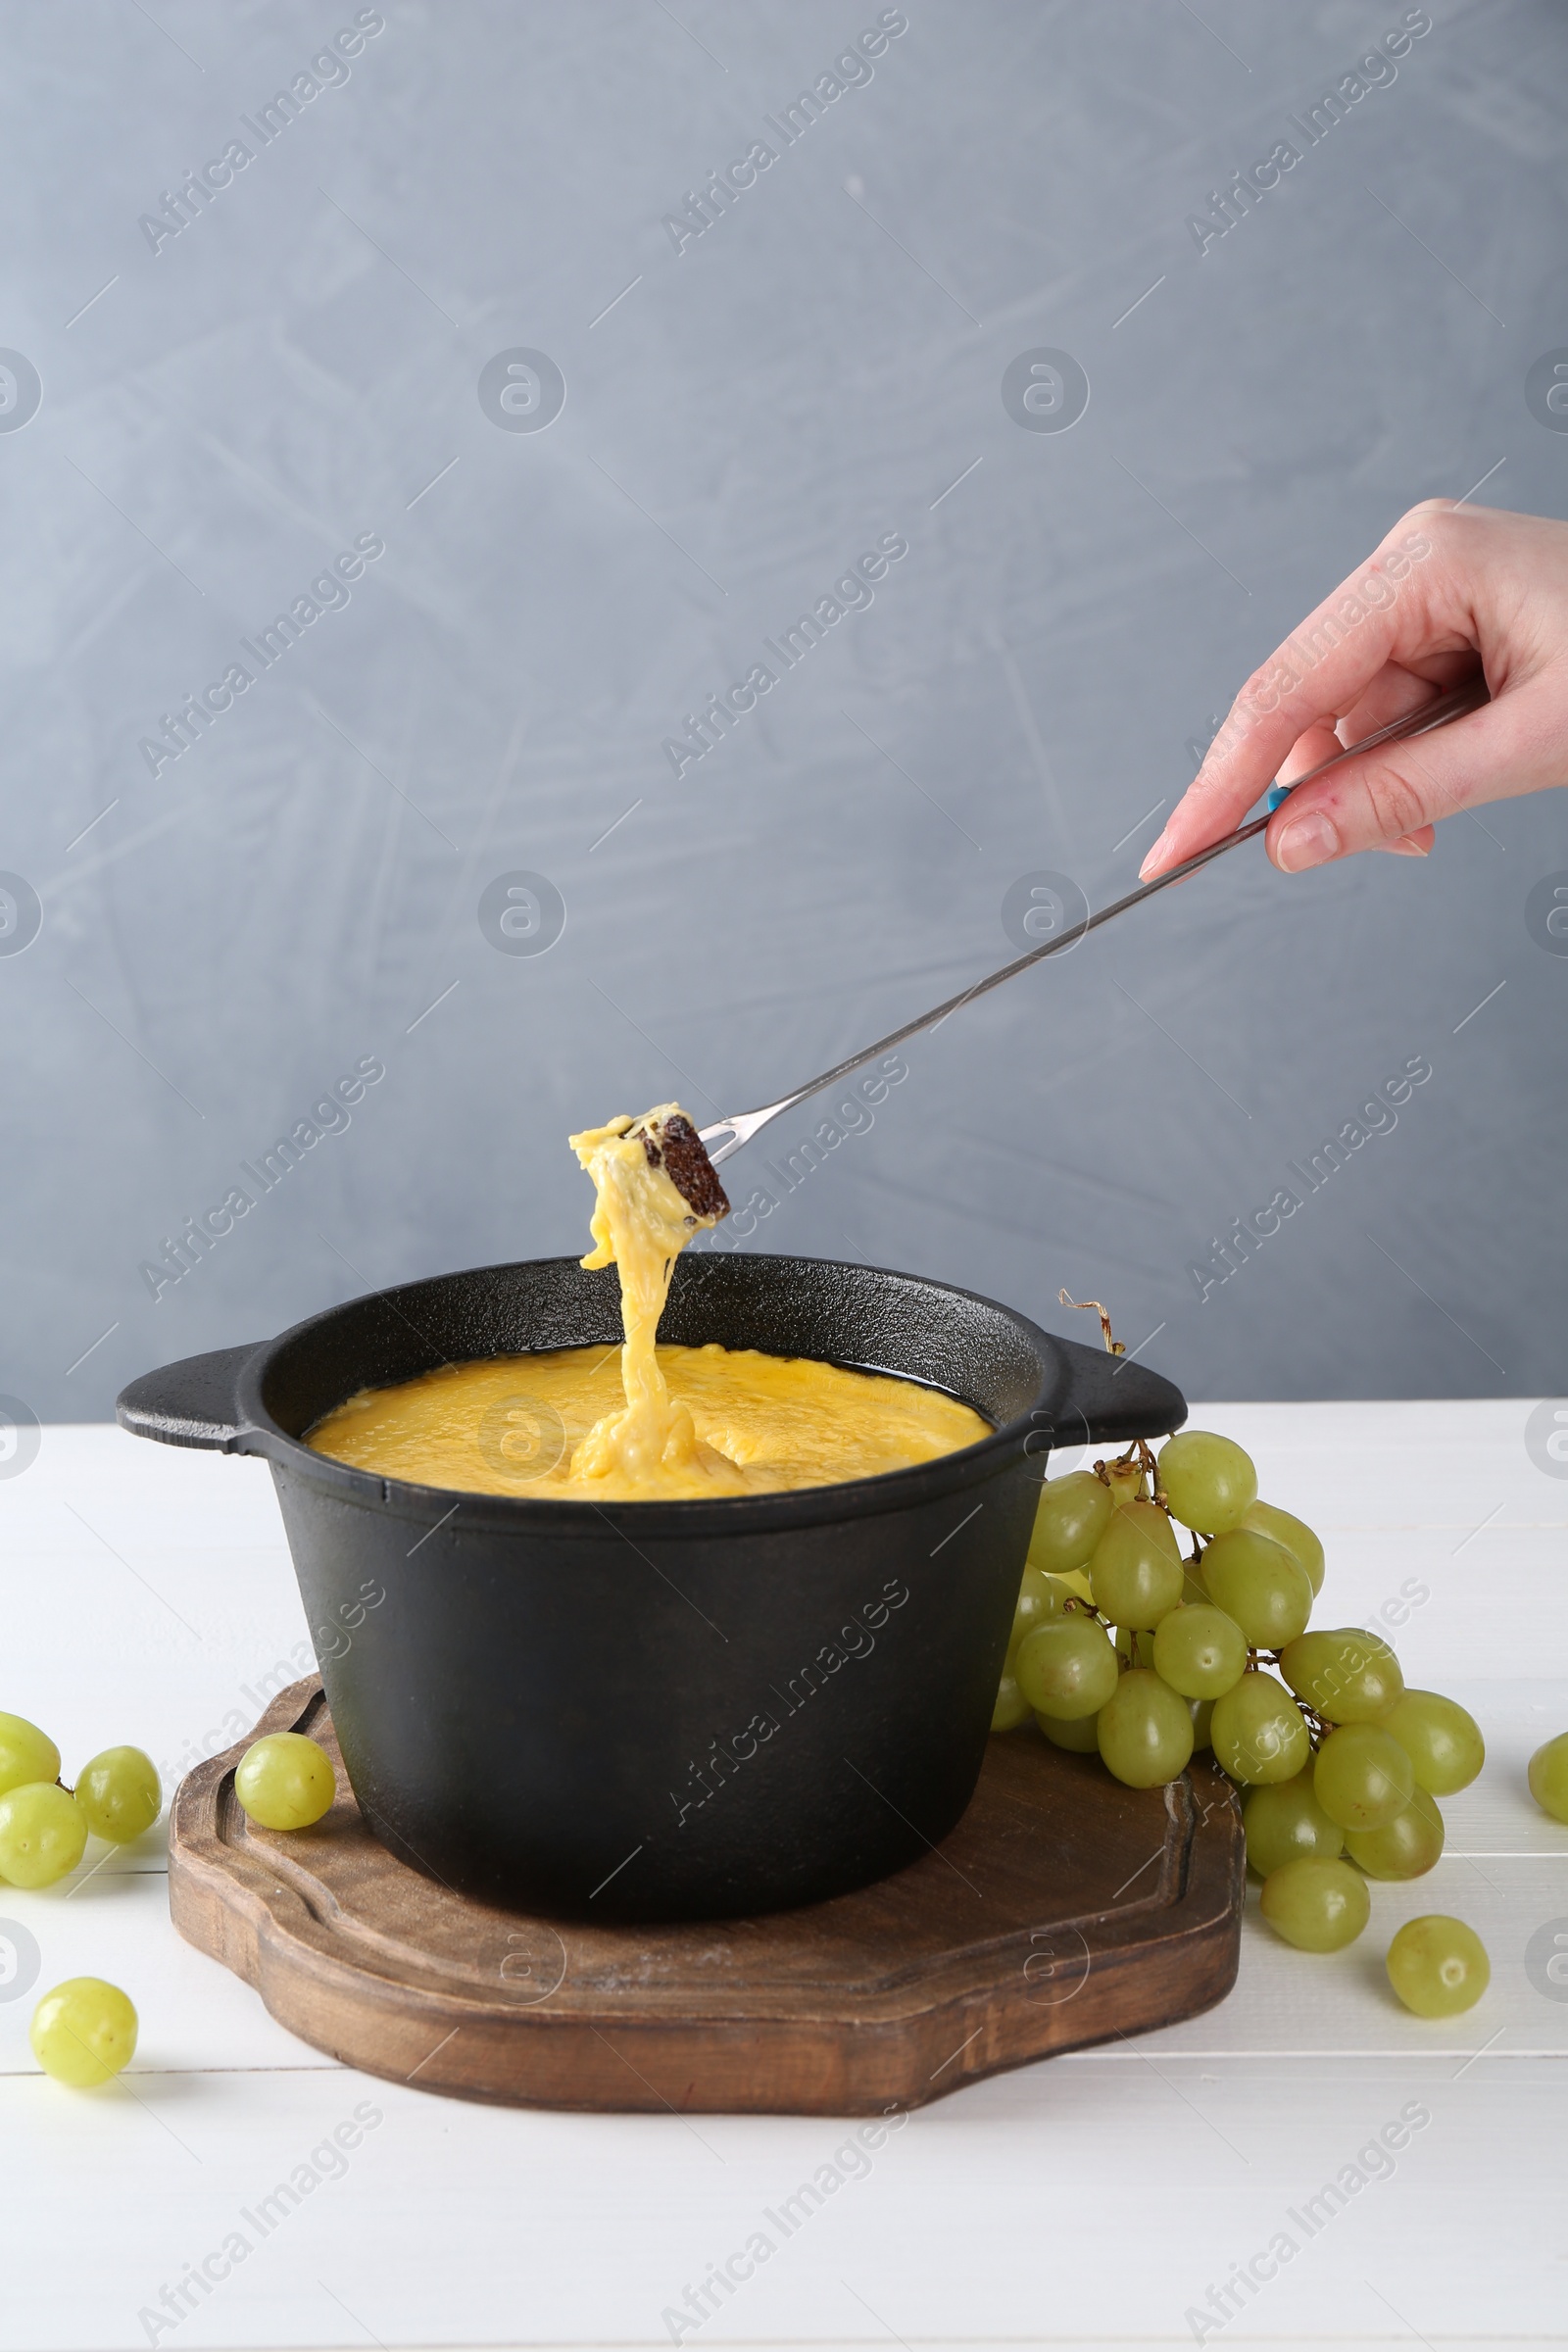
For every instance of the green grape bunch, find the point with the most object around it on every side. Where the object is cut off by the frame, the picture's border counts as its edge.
(1142, 1647)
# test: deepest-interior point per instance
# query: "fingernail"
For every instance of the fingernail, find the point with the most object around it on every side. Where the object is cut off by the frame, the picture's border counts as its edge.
(1406, 849)
(1155, 855)
(1307, 840)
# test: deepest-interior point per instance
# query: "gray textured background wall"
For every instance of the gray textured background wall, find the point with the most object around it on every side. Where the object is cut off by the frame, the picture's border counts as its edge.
(300, 366)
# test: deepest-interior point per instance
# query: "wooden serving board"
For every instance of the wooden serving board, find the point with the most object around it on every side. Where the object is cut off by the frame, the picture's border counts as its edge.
(1063, 1909)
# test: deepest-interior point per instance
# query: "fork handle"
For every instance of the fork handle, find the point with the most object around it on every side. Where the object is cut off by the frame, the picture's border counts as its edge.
(1456, 703)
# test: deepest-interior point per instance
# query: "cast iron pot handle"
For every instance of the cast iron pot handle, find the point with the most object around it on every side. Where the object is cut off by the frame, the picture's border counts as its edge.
(194, 1402)
(1105, 1400)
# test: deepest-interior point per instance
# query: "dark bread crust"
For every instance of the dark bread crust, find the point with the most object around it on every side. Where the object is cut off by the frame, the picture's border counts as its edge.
(675, 1145)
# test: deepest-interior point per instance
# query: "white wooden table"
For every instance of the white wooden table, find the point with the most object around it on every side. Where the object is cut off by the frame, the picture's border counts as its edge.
(1093, 2200)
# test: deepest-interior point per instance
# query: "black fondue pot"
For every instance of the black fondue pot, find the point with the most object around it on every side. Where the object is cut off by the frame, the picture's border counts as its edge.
(663, 1710)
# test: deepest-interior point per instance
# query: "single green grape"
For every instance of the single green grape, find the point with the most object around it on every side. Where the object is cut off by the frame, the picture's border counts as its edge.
(1294, 1534)
(1012, 1707)
(1284, 1823)
(1442, 1740)
(1158, 1525)
(1319, 1905)
(1362, 1777)
(1066, 1668)
(1145, 1732)
(1081, 1738)
(1040, 1598)
(284, 1780)
(1347, 1675)
(1126, 1483)
(1437, 1966)
(83, 2032)
(1207, 1481)
(1201, 1711)
(1258, 1733)
(25, 1753)
(119, 1793)
(1200, 1650)
(1260, 1583)
(1135, 1573)
(1070, 1517)
(1549, 1777)
(1405, 1848)
(43, 1833)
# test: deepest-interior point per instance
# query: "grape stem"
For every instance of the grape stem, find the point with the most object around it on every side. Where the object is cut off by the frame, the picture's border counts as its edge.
(1123, 1462)
(1150, 1470)
(1318, 1726)
(1114, 1346)
(1139, 1458)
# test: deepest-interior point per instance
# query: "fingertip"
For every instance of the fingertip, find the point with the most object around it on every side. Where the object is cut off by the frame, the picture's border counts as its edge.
(1305, 840)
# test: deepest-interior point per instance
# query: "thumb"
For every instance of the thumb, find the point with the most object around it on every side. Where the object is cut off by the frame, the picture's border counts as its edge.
(1398, 791)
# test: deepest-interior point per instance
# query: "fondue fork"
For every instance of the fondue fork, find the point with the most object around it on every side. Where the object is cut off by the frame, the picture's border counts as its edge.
(726, 1136)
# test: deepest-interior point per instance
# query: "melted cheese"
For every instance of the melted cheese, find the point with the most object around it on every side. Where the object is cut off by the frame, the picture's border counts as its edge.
(641, 1223)
(519, 1425)
(690, 1422)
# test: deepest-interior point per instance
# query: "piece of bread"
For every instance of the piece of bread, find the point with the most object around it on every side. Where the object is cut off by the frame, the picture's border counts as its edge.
(672, 1143)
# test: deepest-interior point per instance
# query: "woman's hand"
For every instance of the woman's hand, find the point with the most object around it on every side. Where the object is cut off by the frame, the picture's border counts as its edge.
(1451, 591)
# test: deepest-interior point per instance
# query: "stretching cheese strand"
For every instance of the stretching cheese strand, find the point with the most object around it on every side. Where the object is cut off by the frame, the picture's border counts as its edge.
(641, 1223)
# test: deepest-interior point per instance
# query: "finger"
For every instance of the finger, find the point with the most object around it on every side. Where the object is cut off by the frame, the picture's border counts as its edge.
(1393, 610)
(1412, 845)
(1397, 792)
(1319, 743)
(1396, 691)
(1394, 694)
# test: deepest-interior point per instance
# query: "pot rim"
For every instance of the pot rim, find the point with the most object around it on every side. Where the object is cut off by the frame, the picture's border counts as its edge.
(720, 1517)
